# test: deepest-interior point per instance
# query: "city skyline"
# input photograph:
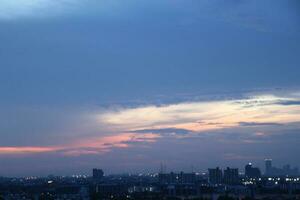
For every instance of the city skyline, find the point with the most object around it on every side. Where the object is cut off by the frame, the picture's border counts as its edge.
(124, 86)
(267, 171)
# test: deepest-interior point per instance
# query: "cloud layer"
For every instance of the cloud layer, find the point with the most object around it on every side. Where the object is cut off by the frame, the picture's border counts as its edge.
(209, 115)
(114, 128)
(234, 130)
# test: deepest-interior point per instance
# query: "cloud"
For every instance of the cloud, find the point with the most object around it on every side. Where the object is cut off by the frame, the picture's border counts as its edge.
(87, 146)
(164, 131)
(259, 124)
(26, 150)
(100, 145)
(289, 102)
(261, 110)
(200, 129)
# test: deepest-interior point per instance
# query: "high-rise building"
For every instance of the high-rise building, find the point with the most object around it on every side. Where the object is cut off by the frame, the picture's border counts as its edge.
(286, 170)
(252, 172)
(231, 176)
(268, 163)
(215, 175)
(98, 174)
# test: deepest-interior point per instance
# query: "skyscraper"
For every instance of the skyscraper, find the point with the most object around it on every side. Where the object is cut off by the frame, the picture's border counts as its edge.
(97, 174)
(252, 172)
(231, 176)
(215, 175)
(268, 163)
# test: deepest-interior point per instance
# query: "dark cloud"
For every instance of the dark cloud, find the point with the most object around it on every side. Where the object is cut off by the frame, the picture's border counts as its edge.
(209, 123)
(164, 131)
(289, 102)
(245, 124)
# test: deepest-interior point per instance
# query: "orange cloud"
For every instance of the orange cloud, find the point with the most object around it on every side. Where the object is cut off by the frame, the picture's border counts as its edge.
(83, 147)
(26, 150)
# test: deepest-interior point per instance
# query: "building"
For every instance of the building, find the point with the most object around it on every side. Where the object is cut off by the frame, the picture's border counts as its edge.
(98, 174)
(268, 163)
(177, 178)
(252, 172)
(286, 170)
(231, 176)
(215, 175)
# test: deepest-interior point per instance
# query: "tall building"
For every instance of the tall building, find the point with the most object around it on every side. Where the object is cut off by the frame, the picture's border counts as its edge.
(231, 176)
(98, 174)
(252, 172)
(286, 170)
(215, 175)
(268, 163)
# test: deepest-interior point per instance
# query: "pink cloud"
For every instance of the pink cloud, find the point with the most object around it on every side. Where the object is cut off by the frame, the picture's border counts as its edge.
(84, 147)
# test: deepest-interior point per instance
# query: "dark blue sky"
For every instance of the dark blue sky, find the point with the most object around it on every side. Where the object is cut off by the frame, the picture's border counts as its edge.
(65, 63)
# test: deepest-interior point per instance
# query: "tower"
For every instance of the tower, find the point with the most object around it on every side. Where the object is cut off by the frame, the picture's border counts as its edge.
(268, 163)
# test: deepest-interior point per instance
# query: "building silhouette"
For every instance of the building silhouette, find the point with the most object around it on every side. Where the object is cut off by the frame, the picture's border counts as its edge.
(177, 178)
(231, 176)
(98, 174)
(286, 170)
(268, 163)
(215, 175)
(252, 172)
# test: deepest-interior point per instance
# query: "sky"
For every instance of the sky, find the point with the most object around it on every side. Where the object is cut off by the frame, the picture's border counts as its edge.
(127, 85)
